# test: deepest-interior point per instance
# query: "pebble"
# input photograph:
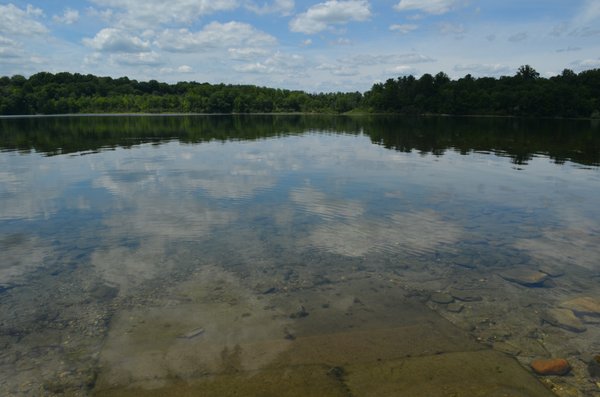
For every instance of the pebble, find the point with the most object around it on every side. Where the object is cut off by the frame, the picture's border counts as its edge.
(565, 319)
(555, 366)
(584, 305)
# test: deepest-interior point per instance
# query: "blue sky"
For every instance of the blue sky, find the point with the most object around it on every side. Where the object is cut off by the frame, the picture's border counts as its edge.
(331, 45)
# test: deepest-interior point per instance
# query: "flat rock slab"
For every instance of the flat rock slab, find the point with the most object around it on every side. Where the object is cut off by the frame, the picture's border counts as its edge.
(465, 295)
(525, 277)
(552, 271)
(483, 373)
(584, 305)
(565, 319)
(442, 298)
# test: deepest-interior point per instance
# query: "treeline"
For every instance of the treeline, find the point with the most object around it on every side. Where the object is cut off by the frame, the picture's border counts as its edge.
(524, 94)
(47, 93)
(569, 94)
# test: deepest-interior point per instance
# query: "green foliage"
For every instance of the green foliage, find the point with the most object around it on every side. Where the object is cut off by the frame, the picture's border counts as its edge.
(524, 94)
(47, 93)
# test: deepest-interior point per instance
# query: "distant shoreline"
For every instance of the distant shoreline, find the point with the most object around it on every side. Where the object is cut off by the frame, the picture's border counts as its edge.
(351, 114)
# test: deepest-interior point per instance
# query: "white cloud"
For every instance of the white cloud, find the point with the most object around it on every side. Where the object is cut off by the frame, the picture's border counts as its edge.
(19, 22)
(149, 13)
(214, 35)
(585, 64)
(435, 7)
(278, 63)
(338, 70)
(246, 53)
(320, 16)
(68, 17)
(402, 70)
(483, 69)
(10, 50)
(185, 69)
(589, 12)
(137, 59)
(403, 28)
(116, 40)
(284, 7)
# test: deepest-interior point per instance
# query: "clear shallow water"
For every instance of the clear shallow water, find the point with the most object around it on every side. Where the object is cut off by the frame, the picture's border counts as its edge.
(120, 235)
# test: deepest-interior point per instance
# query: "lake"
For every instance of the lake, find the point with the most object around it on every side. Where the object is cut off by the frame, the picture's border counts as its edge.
(298, 255)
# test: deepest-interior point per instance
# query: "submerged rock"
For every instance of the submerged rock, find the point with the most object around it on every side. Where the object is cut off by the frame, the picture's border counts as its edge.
(442, 298)
(525, 277)
(553, 366)
(594, 367)
(465, 296)
(301, 313)
(565, 319)
(552, 271)
(584, 306)
(508, 348)
(192, 334)
(454, 307)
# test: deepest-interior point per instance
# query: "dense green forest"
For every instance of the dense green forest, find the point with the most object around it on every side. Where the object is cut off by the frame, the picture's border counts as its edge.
(569, 94)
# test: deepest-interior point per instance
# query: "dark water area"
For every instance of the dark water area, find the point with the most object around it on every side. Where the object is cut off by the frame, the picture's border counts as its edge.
(298, 255)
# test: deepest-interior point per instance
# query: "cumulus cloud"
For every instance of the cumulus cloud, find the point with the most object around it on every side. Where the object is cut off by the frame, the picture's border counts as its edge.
(320, 16)
(116, 40)
(435, 7)
(284, 7)
(403, 28)
(246, 53)
(278, 63)
(21, 22)
(338, 70)
(214, 35)
(149, 13)
(137, 59)
(10, 50)
(68, 17)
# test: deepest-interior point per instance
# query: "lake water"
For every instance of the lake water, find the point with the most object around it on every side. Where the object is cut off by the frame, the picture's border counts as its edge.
(298, 255)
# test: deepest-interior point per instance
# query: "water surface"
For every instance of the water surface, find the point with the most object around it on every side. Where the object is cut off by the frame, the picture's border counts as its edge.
(169, 254)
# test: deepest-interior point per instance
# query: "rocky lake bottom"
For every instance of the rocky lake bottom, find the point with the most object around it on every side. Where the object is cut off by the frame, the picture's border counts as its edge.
(316, 264)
